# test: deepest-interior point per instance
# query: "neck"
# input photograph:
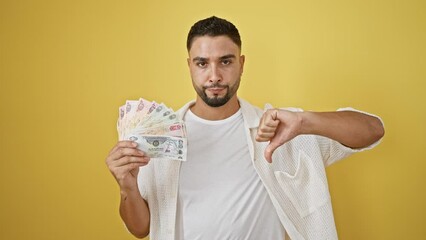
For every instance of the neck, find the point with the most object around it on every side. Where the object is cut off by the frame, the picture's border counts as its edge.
(202, 110)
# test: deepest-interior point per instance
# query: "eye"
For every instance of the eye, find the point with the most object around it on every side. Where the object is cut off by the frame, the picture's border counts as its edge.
(201, 64)
(226, 62)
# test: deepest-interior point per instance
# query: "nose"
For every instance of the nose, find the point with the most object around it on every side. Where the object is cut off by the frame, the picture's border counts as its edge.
(215, 75)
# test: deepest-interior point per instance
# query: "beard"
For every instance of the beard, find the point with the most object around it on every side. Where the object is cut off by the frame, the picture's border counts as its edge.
(217, 101)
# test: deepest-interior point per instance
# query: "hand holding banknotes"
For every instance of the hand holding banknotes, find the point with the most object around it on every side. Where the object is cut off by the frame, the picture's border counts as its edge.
(124, 161)
(154, 127)
(145, 130)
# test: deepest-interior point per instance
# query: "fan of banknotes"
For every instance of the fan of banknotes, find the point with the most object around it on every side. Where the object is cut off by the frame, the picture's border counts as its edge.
(155, 127)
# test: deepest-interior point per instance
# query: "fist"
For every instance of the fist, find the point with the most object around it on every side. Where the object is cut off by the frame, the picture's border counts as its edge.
(278, 127)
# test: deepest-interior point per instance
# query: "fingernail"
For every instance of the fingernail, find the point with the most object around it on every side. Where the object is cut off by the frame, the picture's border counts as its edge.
(134, 144)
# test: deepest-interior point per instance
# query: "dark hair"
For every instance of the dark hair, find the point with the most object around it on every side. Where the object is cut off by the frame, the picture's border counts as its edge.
(213, 26)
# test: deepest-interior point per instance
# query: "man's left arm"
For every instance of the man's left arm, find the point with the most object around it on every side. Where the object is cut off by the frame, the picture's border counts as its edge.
(350, 128)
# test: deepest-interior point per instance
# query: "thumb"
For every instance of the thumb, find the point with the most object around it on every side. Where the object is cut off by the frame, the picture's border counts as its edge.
(269, 150)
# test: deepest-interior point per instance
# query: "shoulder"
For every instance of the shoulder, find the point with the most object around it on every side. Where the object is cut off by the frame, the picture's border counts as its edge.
(181, 112)
(249, 109)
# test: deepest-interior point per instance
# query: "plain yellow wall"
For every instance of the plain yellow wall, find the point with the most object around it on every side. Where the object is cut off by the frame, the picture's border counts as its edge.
(66, 67)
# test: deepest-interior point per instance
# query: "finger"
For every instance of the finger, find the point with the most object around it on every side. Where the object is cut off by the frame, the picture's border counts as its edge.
(271, 119)
(267, 127)
(132, 167)
(123, 144)
(129, 160)
(121, 152)
(264, 137)
(269, 150)
(121, 172)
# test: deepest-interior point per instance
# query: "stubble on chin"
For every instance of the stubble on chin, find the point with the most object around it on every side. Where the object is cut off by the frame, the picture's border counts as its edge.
(215, 101)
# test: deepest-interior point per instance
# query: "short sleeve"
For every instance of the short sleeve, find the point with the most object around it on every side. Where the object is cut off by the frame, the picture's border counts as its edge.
(339, 151)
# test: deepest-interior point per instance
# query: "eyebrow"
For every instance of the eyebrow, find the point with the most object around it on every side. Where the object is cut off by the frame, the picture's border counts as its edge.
(228, 56)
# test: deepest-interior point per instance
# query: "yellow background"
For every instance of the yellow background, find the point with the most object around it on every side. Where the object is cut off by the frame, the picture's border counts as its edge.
(66, 67)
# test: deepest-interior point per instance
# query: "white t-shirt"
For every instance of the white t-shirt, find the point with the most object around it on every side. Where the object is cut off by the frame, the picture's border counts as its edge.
(220, 195)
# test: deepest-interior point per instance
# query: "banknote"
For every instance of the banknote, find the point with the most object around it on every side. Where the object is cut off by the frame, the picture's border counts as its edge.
(134, 118)
(157, 146)
(166, 118)
(141, 109)
(174, 129)
(129, 113)
(120, 119)
(154, 111)
(131, 106)
(155, 127)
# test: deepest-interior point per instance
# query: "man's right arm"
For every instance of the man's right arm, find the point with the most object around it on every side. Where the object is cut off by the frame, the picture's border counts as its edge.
(124, 161)
(135, 213)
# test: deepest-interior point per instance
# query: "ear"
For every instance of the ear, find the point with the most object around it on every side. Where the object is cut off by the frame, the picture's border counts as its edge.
(242, 61)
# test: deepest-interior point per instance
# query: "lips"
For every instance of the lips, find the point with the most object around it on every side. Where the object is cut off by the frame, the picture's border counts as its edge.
(215, 90)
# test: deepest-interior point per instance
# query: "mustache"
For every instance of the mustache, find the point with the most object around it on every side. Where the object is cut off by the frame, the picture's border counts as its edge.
(216, 85)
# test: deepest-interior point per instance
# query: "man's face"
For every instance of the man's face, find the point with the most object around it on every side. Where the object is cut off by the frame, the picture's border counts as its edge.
(216, 66)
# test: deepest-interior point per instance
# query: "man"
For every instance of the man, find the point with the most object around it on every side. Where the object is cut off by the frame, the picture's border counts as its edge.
(249, 174)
